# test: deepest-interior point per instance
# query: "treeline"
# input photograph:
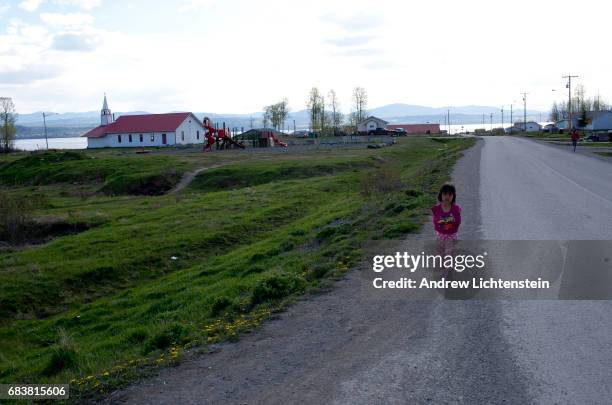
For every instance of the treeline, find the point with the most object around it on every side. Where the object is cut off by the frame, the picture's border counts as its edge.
(580, 105)
(325, 115)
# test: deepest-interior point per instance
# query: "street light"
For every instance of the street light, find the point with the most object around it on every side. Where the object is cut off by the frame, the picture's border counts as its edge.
(45, 115)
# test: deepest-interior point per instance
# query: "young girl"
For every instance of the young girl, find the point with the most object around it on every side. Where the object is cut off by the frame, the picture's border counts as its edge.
(446, 214)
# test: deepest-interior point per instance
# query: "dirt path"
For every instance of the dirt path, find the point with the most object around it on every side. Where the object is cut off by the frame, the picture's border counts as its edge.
(188, 178)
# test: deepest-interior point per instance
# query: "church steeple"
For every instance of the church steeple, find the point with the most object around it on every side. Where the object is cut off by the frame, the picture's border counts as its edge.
(106, 117)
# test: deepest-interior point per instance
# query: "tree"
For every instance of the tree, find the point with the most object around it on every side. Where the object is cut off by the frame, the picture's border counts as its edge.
(277, 114)
(8, 116)
(314, 107)
(360, 104)
(334, 106)
(555, 115)
(267, 115)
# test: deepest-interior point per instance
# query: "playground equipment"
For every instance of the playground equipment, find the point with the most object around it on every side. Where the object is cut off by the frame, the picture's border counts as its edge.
(221, 137)
(261, 138)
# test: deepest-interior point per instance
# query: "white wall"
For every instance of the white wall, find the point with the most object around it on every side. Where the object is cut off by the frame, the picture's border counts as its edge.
(370, 125)
(112, 141)
(190, 128)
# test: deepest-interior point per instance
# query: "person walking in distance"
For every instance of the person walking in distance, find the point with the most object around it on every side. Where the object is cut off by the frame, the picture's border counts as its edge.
(575, 138)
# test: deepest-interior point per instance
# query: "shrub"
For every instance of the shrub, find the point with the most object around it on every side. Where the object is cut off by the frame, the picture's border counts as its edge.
(15, 216)
(219, 304)
(381, 180)
(165, 338)
(276, 287)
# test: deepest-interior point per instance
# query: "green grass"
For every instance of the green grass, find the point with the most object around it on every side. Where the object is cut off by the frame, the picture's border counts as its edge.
(596, 144)
(155, 275)
(148, 175)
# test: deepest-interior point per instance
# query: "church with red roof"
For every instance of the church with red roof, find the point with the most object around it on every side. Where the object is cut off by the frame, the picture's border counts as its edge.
(181, 128)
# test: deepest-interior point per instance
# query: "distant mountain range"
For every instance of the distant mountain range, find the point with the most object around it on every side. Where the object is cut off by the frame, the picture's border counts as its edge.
(76, 123)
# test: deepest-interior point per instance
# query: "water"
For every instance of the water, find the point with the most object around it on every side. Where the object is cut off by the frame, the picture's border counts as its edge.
(54, 143)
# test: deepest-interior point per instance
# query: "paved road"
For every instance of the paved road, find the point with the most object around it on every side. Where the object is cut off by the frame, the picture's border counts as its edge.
(340, 348)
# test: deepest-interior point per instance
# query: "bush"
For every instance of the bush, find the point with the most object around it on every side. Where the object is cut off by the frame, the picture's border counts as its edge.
(15, 216)
(164, 339)
(219, 304)
(276, 287)
(381, 180)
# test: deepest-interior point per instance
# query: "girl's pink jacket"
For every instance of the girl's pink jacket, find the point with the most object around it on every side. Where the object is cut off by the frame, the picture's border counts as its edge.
(446, 222)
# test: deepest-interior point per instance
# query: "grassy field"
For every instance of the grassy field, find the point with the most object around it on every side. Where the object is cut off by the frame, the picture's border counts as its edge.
(111, 277)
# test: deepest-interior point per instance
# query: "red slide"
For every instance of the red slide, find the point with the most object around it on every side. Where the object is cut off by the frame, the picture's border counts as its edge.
(278, 141)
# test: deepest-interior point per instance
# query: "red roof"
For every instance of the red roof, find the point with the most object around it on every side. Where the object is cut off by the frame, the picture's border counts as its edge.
(416, 128)
(140, 123)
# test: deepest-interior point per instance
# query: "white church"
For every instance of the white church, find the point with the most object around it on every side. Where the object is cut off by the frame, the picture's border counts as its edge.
(145, 130)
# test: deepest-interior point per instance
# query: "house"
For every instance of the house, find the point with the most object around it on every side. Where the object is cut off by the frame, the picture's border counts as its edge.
(371, 124)
(564, 123)
(144, 130)
(416, 128)
(599, 124)
(532, 126)
(551, 128)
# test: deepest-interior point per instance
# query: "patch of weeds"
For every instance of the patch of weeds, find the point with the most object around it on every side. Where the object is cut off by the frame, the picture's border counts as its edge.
(165, 338)
(63, 355)
(276, 287)
(137, 336)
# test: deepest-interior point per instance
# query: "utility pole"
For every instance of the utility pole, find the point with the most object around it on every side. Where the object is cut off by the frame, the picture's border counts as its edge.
(569, 98)
(448, 120)
(491, 123)
(502, 111)
(525, 111)
(511, 122)
(45, 124)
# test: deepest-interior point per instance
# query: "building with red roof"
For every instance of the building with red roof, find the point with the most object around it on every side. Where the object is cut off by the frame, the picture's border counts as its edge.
(145, 130)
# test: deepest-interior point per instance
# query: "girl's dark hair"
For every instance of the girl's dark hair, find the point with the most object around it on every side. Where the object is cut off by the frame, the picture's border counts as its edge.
(447, 188)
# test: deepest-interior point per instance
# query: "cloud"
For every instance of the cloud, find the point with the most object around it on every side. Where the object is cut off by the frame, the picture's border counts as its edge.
(30, 5)
(360, 52)
(357, 22)
(191, 5)
(29, 74)
(68, 20)
(76, 42)
(350, 41)
(84, 4)
(380, 64)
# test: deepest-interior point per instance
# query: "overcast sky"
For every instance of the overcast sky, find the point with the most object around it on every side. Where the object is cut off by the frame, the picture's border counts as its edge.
(235, 56)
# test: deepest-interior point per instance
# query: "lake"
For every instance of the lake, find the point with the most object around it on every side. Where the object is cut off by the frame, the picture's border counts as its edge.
(54, 143)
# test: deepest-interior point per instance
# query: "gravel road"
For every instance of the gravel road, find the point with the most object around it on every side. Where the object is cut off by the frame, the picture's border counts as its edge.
(338, 348)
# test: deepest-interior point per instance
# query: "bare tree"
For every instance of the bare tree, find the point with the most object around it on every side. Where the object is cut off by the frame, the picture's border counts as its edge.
(555, 114)
(334, 106)
(360, 104)
(267, 116)
(8, 116)
(313, 104)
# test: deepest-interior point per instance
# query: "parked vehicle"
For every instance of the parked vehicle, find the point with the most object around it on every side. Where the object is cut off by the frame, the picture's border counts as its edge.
(378, 131)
